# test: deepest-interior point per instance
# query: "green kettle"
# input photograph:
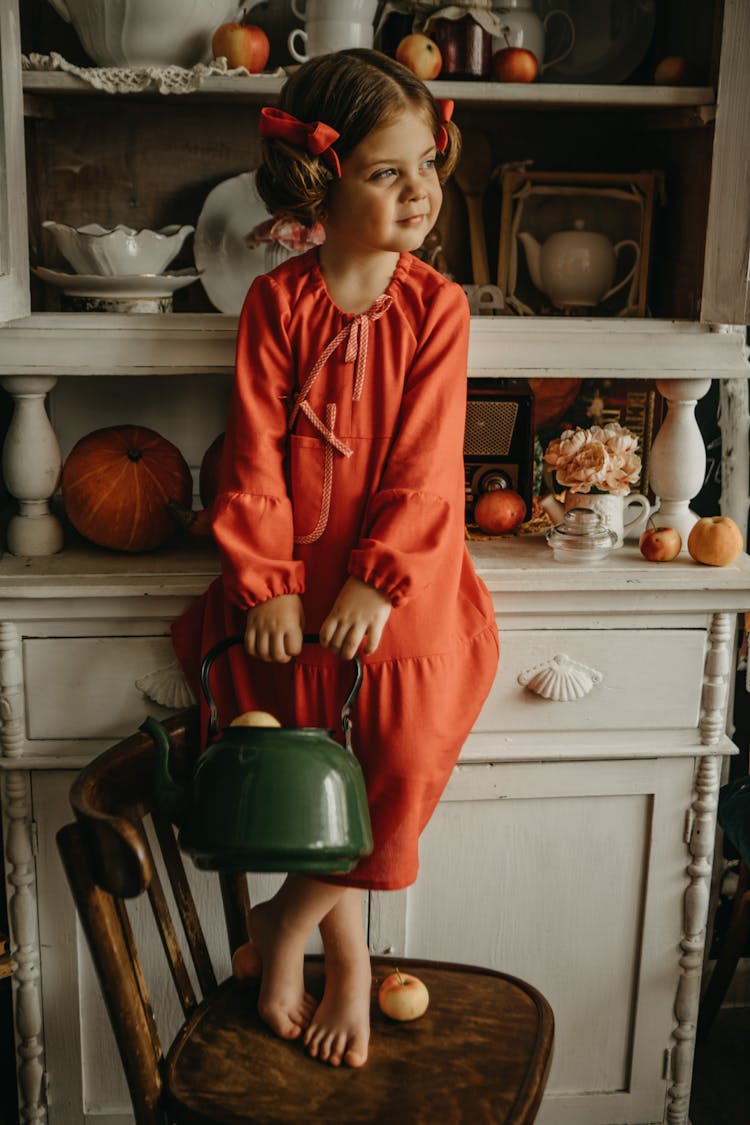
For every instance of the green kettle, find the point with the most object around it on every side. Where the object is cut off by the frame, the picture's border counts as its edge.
(268, 798)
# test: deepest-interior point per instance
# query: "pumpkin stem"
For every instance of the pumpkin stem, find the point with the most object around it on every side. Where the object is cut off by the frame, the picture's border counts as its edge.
(134, 454)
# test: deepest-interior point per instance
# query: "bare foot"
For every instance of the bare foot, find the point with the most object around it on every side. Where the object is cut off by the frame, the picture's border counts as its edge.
(340, 1029)
(283, 1003)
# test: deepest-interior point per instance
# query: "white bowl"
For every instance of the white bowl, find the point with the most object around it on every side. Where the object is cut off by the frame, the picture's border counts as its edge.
(147, 32)
(119, 251)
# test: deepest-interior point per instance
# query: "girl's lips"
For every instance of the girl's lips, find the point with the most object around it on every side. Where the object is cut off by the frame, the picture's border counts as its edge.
(412, 220)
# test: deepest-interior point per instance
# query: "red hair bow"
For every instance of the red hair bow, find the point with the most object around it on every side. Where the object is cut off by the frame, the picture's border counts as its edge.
(315, 137)
(445, 109)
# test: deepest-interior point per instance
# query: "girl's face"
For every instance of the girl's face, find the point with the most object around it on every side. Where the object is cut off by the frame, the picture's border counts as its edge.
(389, 196)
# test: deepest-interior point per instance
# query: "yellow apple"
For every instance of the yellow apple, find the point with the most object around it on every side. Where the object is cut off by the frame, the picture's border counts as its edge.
(246, 961)
(255, 719)
(675, 70)
(420, 55)
(715, 541)
(403, 996)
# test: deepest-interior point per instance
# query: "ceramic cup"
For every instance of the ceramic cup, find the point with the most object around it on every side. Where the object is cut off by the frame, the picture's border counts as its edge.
(331, 25)
(624, 515)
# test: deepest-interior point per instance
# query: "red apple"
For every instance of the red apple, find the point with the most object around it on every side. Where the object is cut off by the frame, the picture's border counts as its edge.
(499, 511)
(660, 544)
(514, 64)
(403, 997)
(241, 44)
(715, 541)
(420, 55)
(675, 70)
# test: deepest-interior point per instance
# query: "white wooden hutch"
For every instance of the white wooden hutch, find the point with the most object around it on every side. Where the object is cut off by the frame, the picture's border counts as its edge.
(574, 844)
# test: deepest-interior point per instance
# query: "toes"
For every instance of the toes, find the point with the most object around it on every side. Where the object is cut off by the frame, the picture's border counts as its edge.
(280, 1022)
(355, 1058)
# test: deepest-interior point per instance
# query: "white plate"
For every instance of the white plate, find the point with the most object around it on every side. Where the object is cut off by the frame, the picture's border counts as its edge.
(228, 267)
(612, 38)
(97, 285)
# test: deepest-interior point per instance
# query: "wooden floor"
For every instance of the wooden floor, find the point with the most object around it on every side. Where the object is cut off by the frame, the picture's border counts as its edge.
(721, 1076)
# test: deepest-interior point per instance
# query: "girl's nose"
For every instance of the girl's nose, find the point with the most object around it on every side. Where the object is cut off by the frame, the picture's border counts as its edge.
(413, 188)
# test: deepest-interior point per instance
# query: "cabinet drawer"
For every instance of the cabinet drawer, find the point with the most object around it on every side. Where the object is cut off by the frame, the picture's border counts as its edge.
(84, 687)
(644, 679)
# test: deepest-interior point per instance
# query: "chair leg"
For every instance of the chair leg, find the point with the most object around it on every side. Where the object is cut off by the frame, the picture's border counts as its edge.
(734, 944)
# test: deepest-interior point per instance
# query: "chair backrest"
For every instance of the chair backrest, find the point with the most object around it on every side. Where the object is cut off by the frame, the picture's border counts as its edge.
(108, 858)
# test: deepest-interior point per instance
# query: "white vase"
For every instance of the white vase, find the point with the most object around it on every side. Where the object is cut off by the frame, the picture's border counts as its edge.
(624, 515)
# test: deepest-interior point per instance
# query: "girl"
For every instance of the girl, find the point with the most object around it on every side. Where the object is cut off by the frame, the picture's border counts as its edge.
(341, 505)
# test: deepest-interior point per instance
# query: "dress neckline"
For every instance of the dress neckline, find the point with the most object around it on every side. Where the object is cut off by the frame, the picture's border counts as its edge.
(402, 269)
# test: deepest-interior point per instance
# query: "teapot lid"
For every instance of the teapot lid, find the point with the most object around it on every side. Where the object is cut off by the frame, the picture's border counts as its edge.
(582, 529)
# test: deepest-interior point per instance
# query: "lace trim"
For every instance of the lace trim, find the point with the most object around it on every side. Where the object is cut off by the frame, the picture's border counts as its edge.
(135, 80)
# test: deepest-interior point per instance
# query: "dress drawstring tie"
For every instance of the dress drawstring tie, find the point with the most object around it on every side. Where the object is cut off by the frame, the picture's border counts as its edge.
(356, 333)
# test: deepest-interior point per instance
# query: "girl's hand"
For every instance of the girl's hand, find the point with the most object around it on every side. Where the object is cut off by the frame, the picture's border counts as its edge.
(274, 629)
(359, 610)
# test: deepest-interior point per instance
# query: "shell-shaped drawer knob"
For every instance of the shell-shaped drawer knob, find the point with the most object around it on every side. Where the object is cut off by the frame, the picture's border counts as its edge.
(560, 679)
(167, 687)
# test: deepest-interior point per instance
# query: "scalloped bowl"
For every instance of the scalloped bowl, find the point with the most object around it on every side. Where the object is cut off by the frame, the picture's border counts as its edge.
(118, 251)
(147, 32)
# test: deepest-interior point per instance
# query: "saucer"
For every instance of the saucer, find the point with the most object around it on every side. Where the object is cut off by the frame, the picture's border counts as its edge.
(96, 285)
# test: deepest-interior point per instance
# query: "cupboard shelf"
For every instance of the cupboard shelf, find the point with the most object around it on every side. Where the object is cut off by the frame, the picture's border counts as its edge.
(470, 94)
(90, 344)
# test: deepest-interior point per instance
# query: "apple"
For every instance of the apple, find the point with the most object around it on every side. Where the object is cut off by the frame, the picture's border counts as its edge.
(675, 70)
(715, 541)
(241, 44)
(514, 64)
(255, 719)
(660, 544)
(246, 961)
(403, 997)
(500, 510)
(420, 55)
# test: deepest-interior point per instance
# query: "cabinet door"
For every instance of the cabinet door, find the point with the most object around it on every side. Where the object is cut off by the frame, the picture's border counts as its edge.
(572, 877)
(14, 254)
(726, 281)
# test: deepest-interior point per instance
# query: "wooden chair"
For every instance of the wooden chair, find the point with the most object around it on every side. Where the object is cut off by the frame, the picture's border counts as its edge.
(480, 1054)
(734, 817)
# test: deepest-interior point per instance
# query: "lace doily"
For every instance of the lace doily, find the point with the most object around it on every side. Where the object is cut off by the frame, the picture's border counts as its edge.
(134, 80)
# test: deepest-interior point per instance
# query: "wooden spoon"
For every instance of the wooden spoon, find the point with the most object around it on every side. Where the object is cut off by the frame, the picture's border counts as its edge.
(473, 176)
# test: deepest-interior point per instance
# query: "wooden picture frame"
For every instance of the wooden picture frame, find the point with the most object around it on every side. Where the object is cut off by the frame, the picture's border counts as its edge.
(618, 205)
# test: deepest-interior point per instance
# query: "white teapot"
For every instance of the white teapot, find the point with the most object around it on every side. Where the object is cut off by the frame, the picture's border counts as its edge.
(575, 268)
(522, 27)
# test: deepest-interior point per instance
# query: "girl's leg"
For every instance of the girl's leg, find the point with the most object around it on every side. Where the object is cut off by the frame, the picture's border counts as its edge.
(340, 1029)
(280, 928)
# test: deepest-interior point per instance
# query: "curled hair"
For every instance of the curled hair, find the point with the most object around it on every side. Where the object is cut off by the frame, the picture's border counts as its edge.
(354, 91)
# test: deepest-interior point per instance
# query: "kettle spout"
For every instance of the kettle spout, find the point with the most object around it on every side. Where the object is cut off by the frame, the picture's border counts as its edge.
(553, 508)
(533, 255)
(172, 798)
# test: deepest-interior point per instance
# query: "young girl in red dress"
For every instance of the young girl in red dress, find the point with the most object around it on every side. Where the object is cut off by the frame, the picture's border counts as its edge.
(341, 504)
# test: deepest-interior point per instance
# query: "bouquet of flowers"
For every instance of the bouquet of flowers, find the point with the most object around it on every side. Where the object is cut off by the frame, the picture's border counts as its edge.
(597, 459)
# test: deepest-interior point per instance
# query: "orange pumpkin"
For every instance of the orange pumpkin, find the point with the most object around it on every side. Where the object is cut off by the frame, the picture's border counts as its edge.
(117, 483)
(208, 480)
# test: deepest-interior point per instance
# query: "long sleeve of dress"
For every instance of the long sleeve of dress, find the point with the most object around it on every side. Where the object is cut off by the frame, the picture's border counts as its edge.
(411, 519)
(252, 519)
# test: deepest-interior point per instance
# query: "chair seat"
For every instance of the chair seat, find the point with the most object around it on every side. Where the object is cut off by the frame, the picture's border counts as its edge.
(451, 1066)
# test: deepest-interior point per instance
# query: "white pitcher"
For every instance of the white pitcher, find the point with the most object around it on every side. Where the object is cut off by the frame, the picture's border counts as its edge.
(524, 28)
(612, 509)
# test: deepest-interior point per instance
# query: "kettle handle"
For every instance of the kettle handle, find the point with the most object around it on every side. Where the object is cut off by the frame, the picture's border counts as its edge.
(308, 639)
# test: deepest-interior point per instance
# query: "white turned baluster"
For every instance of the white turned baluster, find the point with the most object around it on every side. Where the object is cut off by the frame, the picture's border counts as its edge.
(678, 455)
(12, 736)
(716, 679)
(31, 467)
(19, 855)
(701, 845)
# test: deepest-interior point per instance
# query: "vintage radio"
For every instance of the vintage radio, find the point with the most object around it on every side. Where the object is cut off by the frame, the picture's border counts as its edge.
(499, 440)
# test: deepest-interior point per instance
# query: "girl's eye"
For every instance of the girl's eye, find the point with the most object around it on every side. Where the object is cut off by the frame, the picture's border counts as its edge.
(384, 173)
(429, 164)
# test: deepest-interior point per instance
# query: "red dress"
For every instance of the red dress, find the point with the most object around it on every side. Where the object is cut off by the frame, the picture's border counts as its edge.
(344, 455)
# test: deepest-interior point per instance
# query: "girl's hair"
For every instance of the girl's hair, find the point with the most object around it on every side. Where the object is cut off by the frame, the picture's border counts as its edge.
(354, 91)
